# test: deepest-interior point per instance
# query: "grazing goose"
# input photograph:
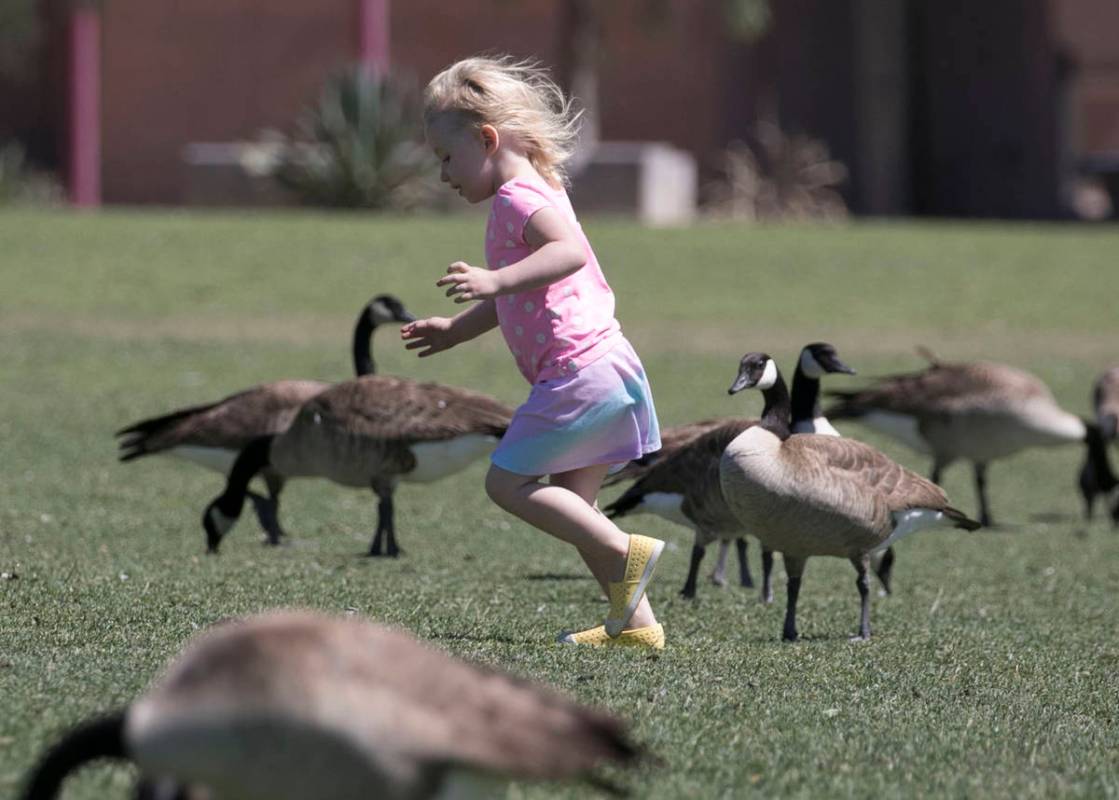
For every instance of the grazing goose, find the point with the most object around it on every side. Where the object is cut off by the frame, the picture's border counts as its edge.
(212, 435)
(304, 706)
(810, 495)
(977, 411)
(683, 486)
(1096, 477)
(369, 432)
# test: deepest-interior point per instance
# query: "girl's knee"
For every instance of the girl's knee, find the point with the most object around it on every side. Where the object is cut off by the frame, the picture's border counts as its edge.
(501, 486)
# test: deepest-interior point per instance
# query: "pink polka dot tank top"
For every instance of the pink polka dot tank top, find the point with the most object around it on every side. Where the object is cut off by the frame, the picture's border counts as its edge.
(557, 329)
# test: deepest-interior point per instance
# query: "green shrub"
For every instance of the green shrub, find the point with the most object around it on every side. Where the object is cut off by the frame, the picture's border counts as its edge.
(360, 145)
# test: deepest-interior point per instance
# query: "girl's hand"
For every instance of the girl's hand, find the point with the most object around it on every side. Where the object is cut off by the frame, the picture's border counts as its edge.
(436, 334)
(466, 283)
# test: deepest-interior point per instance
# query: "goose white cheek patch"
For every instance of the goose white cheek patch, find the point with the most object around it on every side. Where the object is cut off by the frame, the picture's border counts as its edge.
(810, 366)
(769, 377)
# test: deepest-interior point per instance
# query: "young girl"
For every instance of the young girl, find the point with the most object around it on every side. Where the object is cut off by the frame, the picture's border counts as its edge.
(503, 130)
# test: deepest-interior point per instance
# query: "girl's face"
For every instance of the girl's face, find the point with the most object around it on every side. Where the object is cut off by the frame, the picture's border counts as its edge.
(464, 154)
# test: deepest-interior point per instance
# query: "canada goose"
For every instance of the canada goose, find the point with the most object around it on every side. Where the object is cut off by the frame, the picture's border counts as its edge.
(368, 432)
(683, 486)
(212, 435)
(303, 706)
(810, 495)
(978, 411)
(1096, 476)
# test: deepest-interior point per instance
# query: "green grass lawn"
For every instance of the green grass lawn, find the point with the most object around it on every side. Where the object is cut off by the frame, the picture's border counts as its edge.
(992, 671)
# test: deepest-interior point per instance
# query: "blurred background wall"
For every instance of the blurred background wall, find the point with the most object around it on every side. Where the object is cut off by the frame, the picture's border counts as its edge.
(999, 108)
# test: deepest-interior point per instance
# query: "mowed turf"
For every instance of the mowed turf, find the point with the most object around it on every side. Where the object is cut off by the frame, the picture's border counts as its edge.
(992, 670)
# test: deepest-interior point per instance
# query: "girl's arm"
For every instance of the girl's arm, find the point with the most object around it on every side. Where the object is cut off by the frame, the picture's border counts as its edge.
(437, 334)
(558, 252)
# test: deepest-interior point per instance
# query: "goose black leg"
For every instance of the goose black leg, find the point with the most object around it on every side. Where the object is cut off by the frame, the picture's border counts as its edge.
(794, 568)
(698, 551)
(1089, 488)
(1115, 514)
(862, 564)
(884, 568)
(937, 468)
(744, 578)
(268, 509)
(386, 530)
(767, 576)
(981, 490)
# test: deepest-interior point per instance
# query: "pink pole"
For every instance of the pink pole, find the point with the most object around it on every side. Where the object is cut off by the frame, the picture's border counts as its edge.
(373, 34)
(85, 107)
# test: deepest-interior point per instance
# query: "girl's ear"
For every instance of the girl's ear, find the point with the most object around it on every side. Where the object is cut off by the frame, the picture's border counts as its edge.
(491, 139)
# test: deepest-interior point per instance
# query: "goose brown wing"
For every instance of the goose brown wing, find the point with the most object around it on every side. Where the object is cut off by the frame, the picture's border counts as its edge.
(231, 423)
(856, 478)
(672, 440)
(389, 408)
(692, 470)
(942, 389)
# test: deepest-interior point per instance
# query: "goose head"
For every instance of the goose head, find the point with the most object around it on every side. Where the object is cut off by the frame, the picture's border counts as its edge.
(820, 358)
(385, 308)
(755, 371)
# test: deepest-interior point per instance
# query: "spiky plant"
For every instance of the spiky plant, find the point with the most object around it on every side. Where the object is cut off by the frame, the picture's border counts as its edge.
(785, 178)
(360, 145)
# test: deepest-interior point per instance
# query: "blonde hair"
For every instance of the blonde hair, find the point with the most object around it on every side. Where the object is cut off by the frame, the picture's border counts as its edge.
(516, 97)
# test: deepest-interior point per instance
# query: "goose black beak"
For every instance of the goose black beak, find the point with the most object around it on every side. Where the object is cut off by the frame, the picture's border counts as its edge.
(405, 316)
(834, 365)
(743, 381)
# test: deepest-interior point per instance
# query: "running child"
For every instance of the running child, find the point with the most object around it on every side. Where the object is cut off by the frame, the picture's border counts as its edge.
(503, 130)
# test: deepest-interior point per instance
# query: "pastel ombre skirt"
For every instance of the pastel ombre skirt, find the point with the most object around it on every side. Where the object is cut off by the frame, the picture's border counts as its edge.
(603, 414)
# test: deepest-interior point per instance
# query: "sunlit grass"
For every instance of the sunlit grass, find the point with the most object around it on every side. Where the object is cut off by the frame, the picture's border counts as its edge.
(992, 669)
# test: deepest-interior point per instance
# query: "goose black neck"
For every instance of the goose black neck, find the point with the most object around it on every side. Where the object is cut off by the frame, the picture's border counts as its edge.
(98, 738)
(805, 402)
(363, 345)
(775, 415)
(252, 459)
(1097, 455)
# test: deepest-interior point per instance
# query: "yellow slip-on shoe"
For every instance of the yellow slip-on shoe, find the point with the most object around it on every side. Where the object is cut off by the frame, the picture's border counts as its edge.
(651, 636)
(641, 560)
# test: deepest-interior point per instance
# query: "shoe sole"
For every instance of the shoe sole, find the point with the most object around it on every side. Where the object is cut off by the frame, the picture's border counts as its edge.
(614, 628)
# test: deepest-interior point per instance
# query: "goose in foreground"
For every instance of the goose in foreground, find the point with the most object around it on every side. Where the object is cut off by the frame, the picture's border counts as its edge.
(811, 495)
(1096, 477)
(683, 486)
(979, 411)
(295, 705)
(212, 435)
(370, 432)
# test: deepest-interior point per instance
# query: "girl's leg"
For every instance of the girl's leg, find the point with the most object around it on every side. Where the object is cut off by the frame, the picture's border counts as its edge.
(586, 482)
(565, 509)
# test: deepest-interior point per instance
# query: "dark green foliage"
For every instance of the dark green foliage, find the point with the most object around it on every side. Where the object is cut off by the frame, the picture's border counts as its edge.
(360, 145)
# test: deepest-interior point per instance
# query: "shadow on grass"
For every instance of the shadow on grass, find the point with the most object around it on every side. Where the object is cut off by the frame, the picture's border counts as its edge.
(556, 576)
(472, 637)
